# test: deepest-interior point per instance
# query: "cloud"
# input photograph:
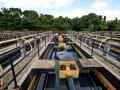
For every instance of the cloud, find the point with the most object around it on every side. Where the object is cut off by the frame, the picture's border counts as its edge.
(100, 4)
(77, 12)
(111, 14)
(37, 4)
(45, 5)
(1, 3)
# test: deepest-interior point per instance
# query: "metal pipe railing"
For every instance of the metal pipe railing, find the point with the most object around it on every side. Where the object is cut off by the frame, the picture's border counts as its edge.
(13, 65)
(71, 85)
(92, 46)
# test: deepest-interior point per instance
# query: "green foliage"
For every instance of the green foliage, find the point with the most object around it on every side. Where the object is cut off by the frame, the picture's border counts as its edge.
(112, 25)
(91, 27)
(16, 19)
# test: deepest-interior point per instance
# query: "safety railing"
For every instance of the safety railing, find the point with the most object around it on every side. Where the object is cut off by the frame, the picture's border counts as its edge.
(91, 45)
(6, 35)
(13, 70)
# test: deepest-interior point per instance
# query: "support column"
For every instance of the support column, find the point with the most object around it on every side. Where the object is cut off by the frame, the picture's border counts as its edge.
(86, 40)
(22, 48)
(77, 36)
(83, 38)
(40, 38)
(47, 37)
(80, 40)
(35, 40)
(106, 48)
(45, 40)
(71, 36)
(92, 47)
(90, 41)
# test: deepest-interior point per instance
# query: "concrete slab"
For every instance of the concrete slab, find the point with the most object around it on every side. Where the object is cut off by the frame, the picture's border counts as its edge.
(43, 64)
(87, 63)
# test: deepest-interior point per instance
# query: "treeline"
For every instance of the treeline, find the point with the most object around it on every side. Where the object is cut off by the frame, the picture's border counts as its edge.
(16, 19)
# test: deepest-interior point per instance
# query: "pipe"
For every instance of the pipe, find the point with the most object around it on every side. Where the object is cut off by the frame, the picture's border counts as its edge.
(1, 72)
(70, 79)
(79, 53)
(71, 85)
(31, 86)
(104, 80)
(41, 81)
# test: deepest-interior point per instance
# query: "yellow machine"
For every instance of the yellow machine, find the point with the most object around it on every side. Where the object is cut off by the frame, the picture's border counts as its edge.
(60, 39)
(68, 68)
(61, 43)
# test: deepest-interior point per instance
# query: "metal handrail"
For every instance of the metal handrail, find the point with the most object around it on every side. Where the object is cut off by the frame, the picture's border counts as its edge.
(12, 67)
(81, 42)
(104, 51)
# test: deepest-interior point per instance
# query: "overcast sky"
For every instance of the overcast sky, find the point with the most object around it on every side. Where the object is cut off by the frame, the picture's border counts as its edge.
(70, 8)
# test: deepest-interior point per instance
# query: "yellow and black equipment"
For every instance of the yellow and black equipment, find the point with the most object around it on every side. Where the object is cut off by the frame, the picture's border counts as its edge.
(68, 68)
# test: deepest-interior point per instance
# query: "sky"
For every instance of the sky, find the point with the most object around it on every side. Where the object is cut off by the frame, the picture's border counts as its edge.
(68, 8)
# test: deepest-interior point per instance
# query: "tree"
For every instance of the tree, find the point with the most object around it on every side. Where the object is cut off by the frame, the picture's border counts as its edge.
(118, 27)
(91, 27)
(15, 19)
(10, 18)
(112, 26)
(104, 19)
(30, 19)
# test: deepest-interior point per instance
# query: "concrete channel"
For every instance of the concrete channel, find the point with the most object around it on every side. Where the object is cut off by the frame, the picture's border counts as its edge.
(81, 70)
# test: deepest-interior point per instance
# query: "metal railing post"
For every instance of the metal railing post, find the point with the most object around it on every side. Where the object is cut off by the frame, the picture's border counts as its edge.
(45, 40)
(80, 40)
(13, 73)
(16, 43)
(38, 50)
(48, 36)
(92, 48)
(40, 38)
(69, 35)
(22, 47)
(35, 40)
(90, 41)
(106, 48)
